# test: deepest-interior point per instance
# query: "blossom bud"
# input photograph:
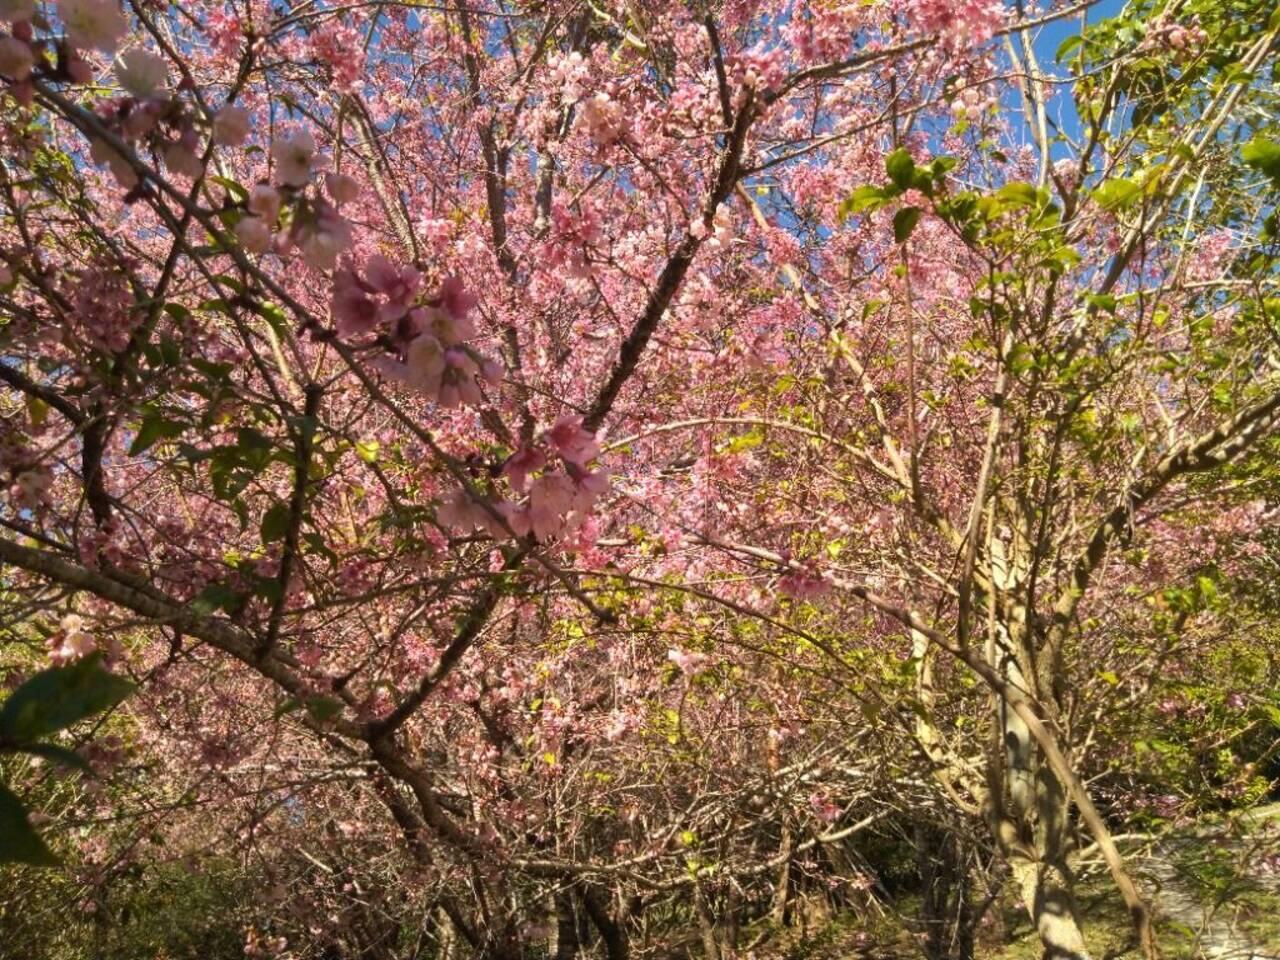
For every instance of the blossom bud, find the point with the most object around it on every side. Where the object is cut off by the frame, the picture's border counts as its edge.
(231, 126)
(16, 59)
(342, 188)
(254, 234)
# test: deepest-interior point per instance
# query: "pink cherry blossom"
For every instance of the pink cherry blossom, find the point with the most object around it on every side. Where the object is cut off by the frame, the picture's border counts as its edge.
(141, 72)
(254, 234)
(688, 663)
(16, 58)
(354, 311)
(520, 464)
(295, 158)
(93, 24)
(571, 441)
(264, 201)
(342, 188)
(231, 125)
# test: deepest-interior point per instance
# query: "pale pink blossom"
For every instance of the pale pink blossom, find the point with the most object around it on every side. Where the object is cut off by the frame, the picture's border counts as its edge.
(16, 58)
(341, 48)
(455, 299)
(141, 73)
(231, 126)
(71, 642)
(181, 159)
(459, 512)
(17, 11)
(802, 585)
(93, 24)
(520, 464)
(551, 498)
(264, 201)
(295, 158)
(254, 234)
(447, 327)
(322, 236)
(573, 442)
(342, 188)
(688, 663)
(354, 312)
(424, 359)
(399, 284)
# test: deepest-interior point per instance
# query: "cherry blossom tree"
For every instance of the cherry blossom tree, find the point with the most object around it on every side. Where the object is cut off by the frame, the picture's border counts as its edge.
(620, 453)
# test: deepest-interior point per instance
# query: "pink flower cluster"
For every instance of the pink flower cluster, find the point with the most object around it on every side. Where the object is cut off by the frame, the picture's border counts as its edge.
(604, 118)
(572, 235)
(341, 49)
(225, 33)
(30, 482)
(318, 229)
(959, 24)
(559, 500)
(103, 309)
(429, 335)
(971, 103)
(825, 34)
(1213, 254)
(1184, 41)
(571, 73)
(760, 70)
(688, 663)
(803, 585)
(71, 641)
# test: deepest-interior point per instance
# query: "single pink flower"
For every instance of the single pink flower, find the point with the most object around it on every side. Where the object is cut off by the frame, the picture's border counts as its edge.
(576, 445)
(520, 464)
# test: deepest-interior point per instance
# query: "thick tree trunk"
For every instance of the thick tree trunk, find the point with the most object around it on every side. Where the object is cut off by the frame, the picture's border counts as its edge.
(566, 946)
(613, 933)
(1047, 892)
(1039, 807)
(1033, 802)
(782, 891)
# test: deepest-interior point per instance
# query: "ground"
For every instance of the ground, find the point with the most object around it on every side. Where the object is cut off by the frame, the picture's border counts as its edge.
(1216, 888)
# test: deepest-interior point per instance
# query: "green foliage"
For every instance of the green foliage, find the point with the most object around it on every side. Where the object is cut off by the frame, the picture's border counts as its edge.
(58, 697)
(52, 700)
(178, 911)
(1264, 155)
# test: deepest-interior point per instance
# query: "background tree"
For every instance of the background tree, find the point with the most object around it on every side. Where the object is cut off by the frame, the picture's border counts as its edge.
(623, 455)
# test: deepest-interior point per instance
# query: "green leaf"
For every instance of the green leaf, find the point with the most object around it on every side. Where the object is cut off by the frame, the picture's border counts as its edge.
(236, 189)
(941, 166)
(275, 523)
(1263, 155)
(1117, 193)
(901, 168)
(1018, 195)
(274, 316)
(56, 754)
(216, 596)
(19, 843)
(1067, 45)
(323, 708)
(155, 426)
(56, 698)
(904, 221)
(367, 450)
(864, 198)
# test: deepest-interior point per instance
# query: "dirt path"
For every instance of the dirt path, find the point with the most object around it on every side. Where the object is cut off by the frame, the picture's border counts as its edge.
(1201, 882)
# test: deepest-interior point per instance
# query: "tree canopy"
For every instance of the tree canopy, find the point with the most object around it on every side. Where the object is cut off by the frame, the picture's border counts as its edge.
(493, 474)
